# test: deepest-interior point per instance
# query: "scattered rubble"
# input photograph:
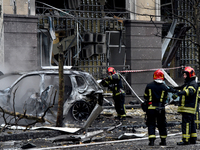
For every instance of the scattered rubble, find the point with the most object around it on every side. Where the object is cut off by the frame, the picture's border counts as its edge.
(104, 128)
(131, 135)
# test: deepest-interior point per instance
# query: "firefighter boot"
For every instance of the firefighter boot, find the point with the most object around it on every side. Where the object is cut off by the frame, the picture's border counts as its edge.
(151, 142)
(183, 143)
(163, 141)
(192, 140)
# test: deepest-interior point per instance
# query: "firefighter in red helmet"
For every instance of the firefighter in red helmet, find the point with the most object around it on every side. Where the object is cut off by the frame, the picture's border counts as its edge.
(155, 98)
(114, 83)
(187, 106)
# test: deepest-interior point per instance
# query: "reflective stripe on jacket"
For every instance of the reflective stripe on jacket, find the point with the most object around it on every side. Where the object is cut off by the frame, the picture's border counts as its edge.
(114, 83)
(188, 101)
(155, 95)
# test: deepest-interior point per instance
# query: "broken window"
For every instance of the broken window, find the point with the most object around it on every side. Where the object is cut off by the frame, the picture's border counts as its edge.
(81, 86)
(68, 86)
(23, 90)
(7, 80)
(80, 81)
(54, 81)
(51, 80)
(168, 9)
(116, 5)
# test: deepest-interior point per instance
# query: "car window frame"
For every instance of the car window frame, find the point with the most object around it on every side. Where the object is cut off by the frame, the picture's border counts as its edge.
(80, 88)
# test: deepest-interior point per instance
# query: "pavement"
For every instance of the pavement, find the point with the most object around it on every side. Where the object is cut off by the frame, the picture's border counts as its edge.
(112, 134)
(133, 143)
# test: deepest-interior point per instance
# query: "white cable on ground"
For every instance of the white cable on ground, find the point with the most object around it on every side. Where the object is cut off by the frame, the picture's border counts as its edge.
(103, 143)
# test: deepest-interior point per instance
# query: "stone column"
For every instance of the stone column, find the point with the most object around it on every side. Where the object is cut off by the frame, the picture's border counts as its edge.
(20, 42)
(143, 51)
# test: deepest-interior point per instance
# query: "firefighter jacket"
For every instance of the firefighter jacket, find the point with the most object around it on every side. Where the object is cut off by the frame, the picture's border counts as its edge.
(188, 97)
(114, 83)
(155, 95)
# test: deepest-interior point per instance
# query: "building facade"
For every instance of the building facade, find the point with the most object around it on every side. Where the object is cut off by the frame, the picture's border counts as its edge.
(95, 34)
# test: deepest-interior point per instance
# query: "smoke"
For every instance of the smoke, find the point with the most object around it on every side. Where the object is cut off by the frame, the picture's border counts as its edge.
(23, 90)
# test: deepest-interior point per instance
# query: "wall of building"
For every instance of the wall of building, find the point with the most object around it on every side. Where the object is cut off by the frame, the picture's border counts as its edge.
(8, 6)
(18, 35)
(20, 42)
(143, 50)
(1, 33)
(142, 9)
(19, 7)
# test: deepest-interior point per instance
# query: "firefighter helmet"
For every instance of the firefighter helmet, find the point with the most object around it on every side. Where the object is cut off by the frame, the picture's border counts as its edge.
(158, 75)
(189, 71)
(111, 70)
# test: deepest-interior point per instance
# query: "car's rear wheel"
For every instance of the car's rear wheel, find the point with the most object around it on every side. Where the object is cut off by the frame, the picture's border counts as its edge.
(80, 110)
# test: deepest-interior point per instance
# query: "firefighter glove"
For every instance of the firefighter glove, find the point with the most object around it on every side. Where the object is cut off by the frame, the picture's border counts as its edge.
(103, 83)
(174, 96)
(172, 90)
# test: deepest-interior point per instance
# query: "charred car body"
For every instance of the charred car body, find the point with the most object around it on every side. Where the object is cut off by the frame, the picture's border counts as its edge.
(33, 92)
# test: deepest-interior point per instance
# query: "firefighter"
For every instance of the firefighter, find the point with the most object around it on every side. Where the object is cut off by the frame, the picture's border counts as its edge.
(114, 83)
(187, 106)
(155, 98)
(197, 117)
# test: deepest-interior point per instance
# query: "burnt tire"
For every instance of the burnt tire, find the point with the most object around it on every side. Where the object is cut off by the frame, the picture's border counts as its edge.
(80, 110)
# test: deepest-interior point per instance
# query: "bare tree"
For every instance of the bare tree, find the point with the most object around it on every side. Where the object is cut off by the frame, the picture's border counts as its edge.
(8, 116)
(61, 88)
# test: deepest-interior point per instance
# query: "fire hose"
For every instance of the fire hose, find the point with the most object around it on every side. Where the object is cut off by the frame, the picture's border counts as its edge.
(131, 88)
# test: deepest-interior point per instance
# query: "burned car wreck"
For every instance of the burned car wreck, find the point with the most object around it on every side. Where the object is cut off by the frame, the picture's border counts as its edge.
(34, 93)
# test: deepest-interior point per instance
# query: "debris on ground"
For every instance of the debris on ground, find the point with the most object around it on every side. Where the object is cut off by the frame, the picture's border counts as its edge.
(104, 128)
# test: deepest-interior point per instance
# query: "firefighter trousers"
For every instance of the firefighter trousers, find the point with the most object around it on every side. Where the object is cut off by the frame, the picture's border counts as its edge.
(119, 104)
(197, 117)
(188, 127)
(156, 118)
